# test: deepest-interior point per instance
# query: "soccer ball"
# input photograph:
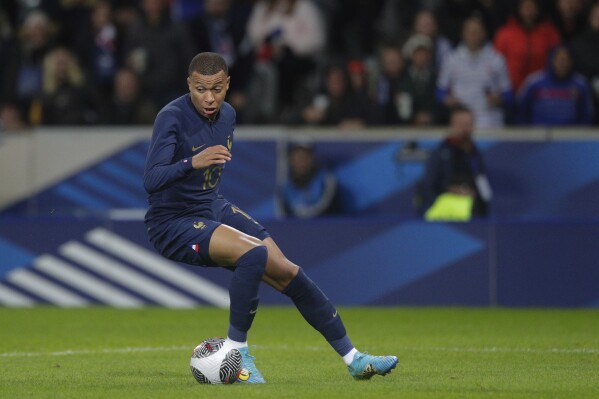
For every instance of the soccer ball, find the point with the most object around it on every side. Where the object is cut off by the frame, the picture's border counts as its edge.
(210, 365)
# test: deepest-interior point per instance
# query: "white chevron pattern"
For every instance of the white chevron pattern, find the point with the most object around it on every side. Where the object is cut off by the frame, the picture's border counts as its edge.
(109, 280)
(92, 286)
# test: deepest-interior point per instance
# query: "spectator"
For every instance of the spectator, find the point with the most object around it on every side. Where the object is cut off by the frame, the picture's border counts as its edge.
(421, 79)
(569, 17)
(396, 20)
(557, 96)
(8, 45)
(25, 66)
(158, 50)
(66, 98)
(184, 10)
(10, 119)
(358, 77)
(338, 105)
(525, 41)
(289, 34)
(125, 14)
(72, 18)
(391, 87)
(475, 76)
(451, 16)
(310, 190)
(585, 53)
(10, 11)
(425, 23)
(456, 167)
(128, 107)
(96, 47)
(352, 29)
(221, 29)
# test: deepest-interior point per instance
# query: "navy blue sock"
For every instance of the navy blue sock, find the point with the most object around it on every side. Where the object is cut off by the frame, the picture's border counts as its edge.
(318, 311)
(243, 292)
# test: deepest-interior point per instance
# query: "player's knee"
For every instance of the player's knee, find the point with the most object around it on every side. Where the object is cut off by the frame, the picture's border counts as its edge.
(282, 271)
(256, 255)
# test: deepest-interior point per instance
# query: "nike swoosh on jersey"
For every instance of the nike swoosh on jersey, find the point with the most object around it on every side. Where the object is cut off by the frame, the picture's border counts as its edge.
(194, 148)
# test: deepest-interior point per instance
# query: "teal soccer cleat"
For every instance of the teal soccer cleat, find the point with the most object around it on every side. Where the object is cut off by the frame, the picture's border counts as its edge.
(364, 366)
(249, 373)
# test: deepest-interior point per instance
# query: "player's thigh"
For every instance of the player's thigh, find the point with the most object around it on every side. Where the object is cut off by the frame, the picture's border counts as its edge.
(185, 240)
(228, 244)
(233, 216)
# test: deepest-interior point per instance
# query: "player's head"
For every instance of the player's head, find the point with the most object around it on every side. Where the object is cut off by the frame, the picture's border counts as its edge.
(461, 123)
(208, 82)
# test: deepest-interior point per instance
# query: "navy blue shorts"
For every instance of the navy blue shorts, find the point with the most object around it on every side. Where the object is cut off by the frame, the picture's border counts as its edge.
(187, 239)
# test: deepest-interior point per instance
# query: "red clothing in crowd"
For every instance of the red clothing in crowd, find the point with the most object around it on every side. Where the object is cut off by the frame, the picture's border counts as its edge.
(525, 51)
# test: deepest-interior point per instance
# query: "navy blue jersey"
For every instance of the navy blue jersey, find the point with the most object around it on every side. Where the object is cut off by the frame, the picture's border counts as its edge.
(174, 187)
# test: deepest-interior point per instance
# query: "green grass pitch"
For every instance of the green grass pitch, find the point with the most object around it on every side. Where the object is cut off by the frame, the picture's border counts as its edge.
(444, 353)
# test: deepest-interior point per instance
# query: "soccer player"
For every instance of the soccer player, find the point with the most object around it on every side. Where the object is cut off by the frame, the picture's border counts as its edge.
(188, 221)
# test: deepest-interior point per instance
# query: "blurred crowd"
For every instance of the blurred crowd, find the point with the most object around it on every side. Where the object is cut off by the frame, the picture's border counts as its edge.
(345, 63)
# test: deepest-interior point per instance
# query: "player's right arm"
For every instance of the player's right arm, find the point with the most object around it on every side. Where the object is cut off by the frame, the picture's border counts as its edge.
(161, 168)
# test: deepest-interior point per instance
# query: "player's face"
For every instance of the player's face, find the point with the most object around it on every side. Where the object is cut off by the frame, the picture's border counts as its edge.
(208, 92)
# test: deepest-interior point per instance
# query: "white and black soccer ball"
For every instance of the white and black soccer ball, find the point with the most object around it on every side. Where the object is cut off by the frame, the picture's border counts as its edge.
(211, 365)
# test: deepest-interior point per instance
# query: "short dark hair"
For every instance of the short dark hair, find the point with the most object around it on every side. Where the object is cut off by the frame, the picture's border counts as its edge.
(208, 64)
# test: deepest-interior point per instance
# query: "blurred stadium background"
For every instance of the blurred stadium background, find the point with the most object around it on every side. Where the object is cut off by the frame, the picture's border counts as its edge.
(81, 81)
(71, 229)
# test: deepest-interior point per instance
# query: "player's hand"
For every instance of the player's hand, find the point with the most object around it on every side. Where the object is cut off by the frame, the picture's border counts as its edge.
(214, 155)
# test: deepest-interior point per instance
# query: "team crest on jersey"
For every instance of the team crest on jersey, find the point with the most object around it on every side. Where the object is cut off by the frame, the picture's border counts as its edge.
(199, 225)
(229, 143)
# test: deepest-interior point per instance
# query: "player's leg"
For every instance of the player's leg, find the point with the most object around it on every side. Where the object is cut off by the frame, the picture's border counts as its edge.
(247, 256)
(232, 248)
(315, 307)
(204, 242)
(320, 313)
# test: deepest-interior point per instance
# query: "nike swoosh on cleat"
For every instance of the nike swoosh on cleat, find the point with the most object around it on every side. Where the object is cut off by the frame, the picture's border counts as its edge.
(335, 314)
(253, 311)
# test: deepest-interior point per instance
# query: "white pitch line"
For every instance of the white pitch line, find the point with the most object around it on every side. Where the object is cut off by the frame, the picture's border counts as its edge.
(505, 350)
(140, 349)
(72, 352)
